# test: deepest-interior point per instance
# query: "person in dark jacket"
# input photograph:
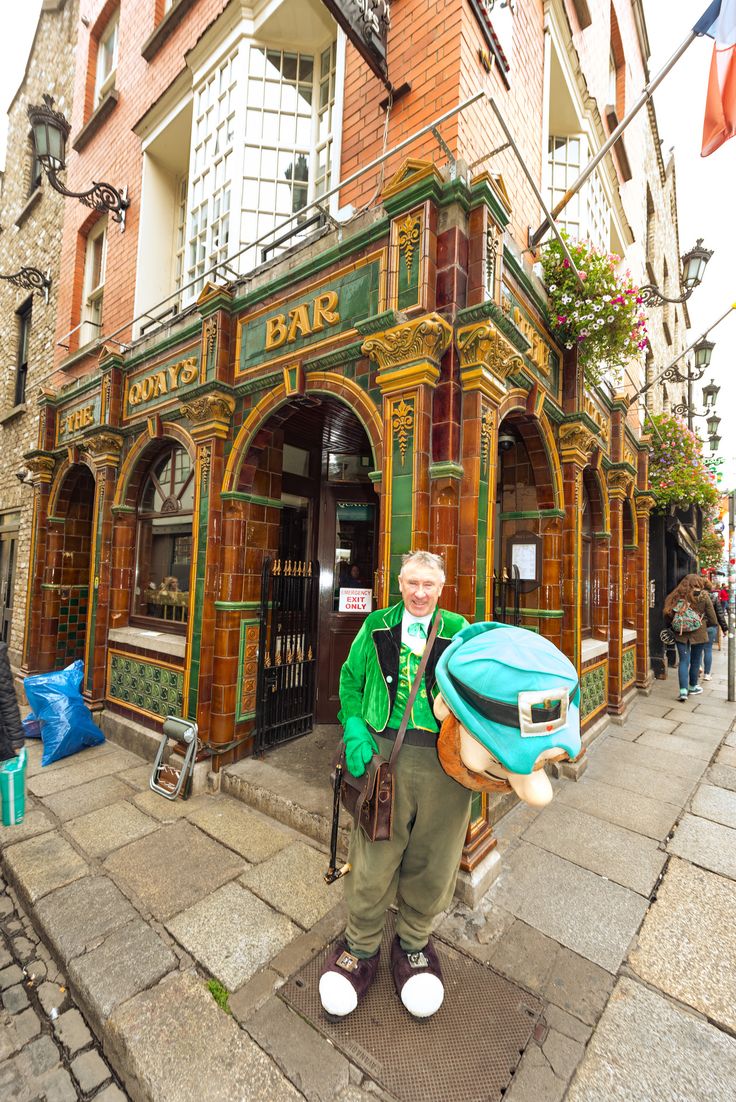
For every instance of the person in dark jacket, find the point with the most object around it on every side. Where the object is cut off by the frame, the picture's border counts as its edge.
(11, 728)
(689, 594)
(713, 630)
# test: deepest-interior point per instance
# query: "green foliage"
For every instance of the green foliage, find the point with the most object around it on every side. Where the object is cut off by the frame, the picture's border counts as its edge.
(605, 319)
(677, 471)
(220, 994)
(711, 550)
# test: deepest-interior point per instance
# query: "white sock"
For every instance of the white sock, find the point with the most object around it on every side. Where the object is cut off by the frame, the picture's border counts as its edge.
(337, 994)
(422, 995)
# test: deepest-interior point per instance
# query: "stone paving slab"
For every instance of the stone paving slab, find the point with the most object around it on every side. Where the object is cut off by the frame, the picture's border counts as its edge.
(645, 782)
(636, 756)
(76, 918)
(41, 864)
(595, 918)
(653, 706)
(81, 771)
(578, 986)
(127, 962)
(173, 868)
(138, 777)
(83, 798)
(107, 829)
(726, 756)
(731, 739)
(253, 836)
(34, 822)
(646, 1049)
(168, 811)
(641, 723)
(687, 945)
(710, 727)
(717, 804)
(714, 707)
(701, 748)
(722, 776)
(293, 882)
(176, 1045)
(707, 844)
(232, 934)
(617, 805)
(34, 748)
(621, 855)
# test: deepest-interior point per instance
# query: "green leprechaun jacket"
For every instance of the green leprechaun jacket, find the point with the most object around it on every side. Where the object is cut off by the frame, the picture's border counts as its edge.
(370, 675)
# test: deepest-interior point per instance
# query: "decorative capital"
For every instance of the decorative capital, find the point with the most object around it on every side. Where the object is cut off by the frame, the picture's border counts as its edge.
(409, 236)
(487, 358)
(619, 483)
(410, 352)
(576, 442)
(209, 413)
(103, 448)
(644, 503)
(40, 468)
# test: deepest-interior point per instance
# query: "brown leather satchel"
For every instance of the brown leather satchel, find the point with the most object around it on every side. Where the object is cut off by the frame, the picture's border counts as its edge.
(370, 798)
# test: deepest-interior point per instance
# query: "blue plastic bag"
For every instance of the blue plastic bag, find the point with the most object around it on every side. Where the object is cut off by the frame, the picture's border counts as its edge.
(67, 722)
(31, 726)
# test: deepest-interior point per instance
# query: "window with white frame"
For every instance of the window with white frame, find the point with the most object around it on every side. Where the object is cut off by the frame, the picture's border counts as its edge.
(587, 215)
(180, 240)
(213, 138)
(107, 58)
(94, 282)
(325, 122)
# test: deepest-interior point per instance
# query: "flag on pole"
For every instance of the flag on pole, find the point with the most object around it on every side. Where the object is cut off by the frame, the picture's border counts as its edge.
(719, 23)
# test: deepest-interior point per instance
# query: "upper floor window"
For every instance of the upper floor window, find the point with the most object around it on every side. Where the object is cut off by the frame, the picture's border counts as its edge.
(94, 281)
(107, 58)
(24, 336)
(164, 539)
(587, 215)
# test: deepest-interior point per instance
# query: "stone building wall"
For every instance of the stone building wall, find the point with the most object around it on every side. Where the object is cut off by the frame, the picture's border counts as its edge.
(31, 220)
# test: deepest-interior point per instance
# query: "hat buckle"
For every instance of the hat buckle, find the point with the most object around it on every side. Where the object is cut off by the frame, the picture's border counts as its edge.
(552, 703)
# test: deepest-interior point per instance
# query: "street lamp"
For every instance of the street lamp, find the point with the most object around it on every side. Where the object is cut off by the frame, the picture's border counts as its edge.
(30, 279)
(693, 268)
(703, 354)
(714, 442)
(710, 393)
(713, 422)
(50, 131)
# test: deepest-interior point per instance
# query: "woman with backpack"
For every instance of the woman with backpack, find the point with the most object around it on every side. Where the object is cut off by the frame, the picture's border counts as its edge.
(689, 611)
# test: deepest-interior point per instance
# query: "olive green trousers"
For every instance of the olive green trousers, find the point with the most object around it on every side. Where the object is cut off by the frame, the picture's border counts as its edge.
(418, 866)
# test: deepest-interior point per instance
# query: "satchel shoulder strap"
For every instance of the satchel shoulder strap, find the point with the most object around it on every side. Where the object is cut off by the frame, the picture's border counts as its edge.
(415, 689)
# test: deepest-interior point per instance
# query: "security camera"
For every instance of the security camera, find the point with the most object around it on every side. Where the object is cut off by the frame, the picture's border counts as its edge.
(22, 474)
(506, 441)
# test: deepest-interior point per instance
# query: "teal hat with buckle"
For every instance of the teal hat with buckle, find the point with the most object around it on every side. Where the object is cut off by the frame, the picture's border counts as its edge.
(514, 691)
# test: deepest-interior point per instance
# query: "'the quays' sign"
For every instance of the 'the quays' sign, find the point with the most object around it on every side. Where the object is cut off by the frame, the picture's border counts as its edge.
(73, 419)
(152, 387)
(314, 317)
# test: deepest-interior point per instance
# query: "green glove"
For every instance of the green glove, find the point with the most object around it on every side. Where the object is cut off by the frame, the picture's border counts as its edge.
(360, 746)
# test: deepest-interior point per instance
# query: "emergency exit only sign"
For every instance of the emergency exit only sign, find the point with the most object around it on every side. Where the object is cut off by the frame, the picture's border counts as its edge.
(355, 600)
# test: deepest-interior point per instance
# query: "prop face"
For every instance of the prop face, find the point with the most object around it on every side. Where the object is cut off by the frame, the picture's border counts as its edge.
(508, 704)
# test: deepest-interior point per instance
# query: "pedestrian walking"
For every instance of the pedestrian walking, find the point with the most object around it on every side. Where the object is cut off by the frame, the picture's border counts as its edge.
(418, 865)
(689, 610)
(714, 632)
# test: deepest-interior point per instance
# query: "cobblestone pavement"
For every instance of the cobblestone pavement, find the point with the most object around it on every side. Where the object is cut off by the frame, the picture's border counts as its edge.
(46, 1050)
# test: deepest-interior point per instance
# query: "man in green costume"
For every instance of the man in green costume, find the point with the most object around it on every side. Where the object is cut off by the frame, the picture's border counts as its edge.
(418, 866)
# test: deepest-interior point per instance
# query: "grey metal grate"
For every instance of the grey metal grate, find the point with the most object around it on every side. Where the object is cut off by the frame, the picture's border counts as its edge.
(467, 1052)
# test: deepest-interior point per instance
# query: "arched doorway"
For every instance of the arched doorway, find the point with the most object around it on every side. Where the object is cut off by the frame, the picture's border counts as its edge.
(67, 570)
(310, 465)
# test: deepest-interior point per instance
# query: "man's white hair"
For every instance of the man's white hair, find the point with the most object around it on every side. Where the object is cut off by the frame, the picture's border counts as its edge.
(423, 558)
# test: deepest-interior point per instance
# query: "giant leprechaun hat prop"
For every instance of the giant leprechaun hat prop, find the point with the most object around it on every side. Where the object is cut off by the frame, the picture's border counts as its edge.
(512, 690)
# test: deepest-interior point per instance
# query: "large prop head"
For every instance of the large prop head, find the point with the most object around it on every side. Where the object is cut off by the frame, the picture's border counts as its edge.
(509, 702)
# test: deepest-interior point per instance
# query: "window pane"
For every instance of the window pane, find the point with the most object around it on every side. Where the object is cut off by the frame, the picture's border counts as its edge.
(164, 541)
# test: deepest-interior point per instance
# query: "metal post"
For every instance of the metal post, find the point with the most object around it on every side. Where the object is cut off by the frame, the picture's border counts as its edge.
(731, 559)
(689, 401)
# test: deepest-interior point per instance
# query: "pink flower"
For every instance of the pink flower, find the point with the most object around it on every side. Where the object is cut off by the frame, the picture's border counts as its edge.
(565, 263)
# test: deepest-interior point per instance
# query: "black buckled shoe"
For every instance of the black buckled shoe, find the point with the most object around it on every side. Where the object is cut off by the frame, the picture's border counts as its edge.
(344, 980)
(418, 979)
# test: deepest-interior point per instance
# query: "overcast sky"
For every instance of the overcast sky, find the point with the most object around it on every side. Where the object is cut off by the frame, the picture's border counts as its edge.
(705, 208)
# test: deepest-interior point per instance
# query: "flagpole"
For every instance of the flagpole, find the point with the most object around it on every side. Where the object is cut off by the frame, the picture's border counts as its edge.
(703, 335)
(537, 236)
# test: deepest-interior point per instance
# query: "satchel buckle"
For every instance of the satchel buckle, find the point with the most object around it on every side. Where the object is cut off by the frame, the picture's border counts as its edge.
(551, 703)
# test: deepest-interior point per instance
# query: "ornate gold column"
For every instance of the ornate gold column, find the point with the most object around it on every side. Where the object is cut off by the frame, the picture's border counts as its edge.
(104, 449)
(209, 415)
(41, 467)
(644, 502)
(619, 484)
(576, 445)
(408, 356)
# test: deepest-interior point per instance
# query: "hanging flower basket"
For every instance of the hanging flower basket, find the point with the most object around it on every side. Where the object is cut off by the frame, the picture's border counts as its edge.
(604, 321)
(711, 550)
(677, 471)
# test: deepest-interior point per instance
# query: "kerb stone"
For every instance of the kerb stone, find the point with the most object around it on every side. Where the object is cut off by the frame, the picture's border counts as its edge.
(173, 1044)
(313, 1065)
(76, 918)
(44, 863)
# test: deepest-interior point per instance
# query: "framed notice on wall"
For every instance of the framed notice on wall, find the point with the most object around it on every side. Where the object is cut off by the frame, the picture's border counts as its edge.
(355, 600)
(524, 554)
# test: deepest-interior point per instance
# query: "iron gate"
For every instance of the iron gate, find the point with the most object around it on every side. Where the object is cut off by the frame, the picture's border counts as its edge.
(287, 651)
(506, 591)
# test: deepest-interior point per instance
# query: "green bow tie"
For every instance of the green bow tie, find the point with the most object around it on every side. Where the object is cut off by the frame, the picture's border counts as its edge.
(417, 629)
